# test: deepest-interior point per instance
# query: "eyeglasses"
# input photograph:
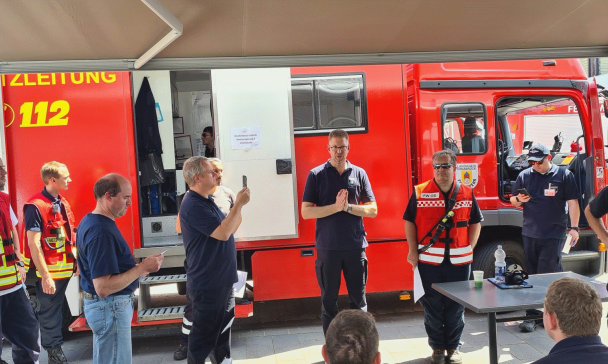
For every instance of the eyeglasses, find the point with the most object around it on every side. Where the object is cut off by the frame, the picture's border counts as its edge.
(443, 165)
(537, 162)
(218, 171)
(339, 149)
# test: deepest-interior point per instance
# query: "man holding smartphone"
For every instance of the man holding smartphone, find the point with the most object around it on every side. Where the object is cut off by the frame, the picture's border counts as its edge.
(548, 195)
(210, 256)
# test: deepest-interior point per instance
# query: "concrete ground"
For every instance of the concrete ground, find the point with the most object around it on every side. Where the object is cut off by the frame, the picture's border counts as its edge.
(289, 332)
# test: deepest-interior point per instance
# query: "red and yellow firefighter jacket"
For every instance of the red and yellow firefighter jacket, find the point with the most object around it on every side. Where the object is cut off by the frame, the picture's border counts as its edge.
(9, 274)
(430, 208)
(58, 238)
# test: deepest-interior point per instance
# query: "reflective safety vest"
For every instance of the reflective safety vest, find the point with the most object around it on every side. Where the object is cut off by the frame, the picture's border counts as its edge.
(430, 207)
(9, 274)
(58, 238)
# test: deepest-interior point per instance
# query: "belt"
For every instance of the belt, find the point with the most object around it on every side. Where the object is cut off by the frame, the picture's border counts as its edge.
(89, 296)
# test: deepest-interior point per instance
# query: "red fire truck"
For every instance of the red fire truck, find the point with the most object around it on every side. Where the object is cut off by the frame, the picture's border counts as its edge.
(272, 125)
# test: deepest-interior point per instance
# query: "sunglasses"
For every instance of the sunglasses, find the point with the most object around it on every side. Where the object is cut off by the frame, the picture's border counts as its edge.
(537, 162)
(444, 166)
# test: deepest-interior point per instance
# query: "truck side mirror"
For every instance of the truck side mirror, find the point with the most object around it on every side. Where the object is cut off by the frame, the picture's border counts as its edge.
(606, 107)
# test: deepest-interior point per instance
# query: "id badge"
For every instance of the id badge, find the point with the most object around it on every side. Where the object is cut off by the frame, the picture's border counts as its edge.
(550, 192)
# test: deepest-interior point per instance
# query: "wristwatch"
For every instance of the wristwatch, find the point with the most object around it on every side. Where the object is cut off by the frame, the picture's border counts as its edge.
(575, 228)
(20, 263)
(350, 208)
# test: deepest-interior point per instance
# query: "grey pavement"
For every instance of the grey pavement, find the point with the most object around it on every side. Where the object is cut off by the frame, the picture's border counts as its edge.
(289, 332)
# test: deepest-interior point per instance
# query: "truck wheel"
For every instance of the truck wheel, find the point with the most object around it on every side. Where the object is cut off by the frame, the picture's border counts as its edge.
(483, 258)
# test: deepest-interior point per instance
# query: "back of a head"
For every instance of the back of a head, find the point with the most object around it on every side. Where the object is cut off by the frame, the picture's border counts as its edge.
(577, 306)
(470, 125)
(352, 338)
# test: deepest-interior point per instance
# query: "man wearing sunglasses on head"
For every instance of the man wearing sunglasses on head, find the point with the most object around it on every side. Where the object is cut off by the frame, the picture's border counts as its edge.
(548, 194)
(442, 256)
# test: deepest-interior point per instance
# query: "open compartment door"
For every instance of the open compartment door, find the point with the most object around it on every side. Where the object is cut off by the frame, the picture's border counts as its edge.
(254, 138)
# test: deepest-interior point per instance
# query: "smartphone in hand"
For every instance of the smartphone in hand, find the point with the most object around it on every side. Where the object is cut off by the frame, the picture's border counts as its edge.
(244, 181)
(523, 191)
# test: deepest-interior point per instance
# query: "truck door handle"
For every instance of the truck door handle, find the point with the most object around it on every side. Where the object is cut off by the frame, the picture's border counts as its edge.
(307, 252)
(284, 166)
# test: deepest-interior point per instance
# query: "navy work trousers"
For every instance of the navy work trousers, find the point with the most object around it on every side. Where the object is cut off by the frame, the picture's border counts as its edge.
(328, 266)
(20, 327)
(223, 350)
(209, 310)
(50, 314)
(443, 318)
(542, 256)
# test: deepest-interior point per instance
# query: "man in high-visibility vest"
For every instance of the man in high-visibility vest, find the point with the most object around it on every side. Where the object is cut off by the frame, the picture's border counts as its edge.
(442, 202)
(50, 242)
(17, 318)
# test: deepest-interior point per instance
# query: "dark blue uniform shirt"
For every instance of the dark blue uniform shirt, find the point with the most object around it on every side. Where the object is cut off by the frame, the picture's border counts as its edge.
(339, 231)
(102, 251)
(577, 349)
(211, 262)
(545, 217)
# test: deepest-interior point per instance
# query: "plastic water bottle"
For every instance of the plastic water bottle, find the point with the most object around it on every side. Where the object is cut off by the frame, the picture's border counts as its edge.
(500, 266)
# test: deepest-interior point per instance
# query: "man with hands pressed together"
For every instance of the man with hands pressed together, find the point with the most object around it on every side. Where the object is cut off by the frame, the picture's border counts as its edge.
(550, 198)
(338, 194)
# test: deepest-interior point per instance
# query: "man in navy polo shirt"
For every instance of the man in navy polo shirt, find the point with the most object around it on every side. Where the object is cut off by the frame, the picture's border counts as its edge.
(108, 273)
(210, 256)
(573, 317)
(338, 194)
(552, 196)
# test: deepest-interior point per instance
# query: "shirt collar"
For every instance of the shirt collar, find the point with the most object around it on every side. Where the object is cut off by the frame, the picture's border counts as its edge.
(199, 196)
(577, 341)
(348, 165)
(51, 198)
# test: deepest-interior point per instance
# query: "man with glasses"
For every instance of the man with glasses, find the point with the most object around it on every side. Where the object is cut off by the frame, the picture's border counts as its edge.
(548, 195)
(50, 239)
(445, 256)
(338, 194)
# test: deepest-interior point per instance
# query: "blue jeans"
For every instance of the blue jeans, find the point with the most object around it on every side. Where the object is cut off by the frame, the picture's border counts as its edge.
(110, 321)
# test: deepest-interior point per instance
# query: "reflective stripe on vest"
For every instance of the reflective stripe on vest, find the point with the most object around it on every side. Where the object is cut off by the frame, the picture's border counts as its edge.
(9, 274)
(431, 206)
(60, 262)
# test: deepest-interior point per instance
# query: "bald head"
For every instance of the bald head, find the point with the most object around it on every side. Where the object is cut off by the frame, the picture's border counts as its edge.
(110, 183)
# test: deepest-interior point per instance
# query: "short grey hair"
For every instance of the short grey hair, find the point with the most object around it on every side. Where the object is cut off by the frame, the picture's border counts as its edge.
(193, 167)
(445, 152)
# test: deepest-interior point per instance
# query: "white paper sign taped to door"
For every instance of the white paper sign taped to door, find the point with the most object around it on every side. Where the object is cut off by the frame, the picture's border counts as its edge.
(249, 137)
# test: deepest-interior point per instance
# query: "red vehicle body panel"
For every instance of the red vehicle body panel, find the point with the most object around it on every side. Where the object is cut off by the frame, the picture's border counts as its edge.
(98, 138)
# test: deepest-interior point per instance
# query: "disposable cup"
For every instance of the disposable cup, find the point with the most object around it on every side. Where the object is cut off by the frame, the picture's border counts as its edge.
(478, 277)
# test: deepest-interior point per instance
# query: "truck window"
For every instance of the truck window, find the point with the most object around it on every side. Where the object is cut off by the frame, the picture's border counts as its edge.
(323, 103)
(464, 127)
